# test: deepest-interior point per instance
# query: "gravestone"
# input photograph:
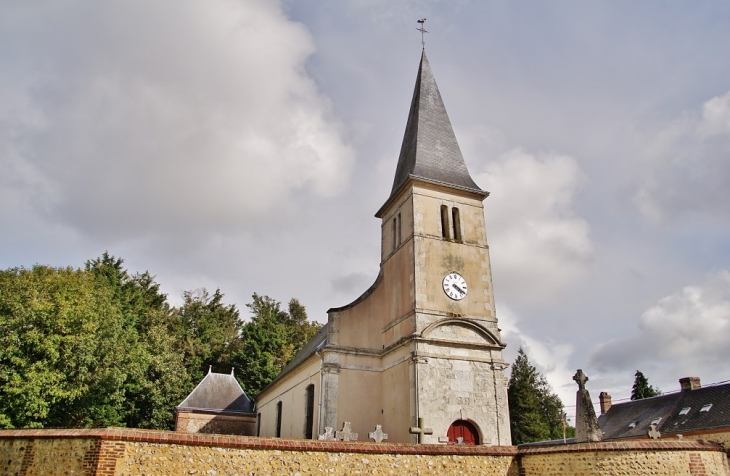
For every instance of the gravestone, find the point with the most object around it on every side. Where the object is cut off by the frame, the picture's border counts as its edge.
(328, 434)
(586, 423)
(346, 433)
(378, 434)
(420, 430)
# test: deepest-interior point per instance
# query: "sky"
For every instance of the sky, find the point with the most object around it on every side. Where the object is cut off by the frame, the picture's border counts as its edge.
(245, 145)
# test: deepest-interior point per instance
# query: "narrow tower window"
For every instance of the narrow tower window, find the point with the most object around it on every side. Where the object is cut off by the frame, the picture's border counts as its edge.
(309, 413)
(457, 223)
(278, 420)
(258, 424)
(395, 227)
(445, 221)
(399, 228)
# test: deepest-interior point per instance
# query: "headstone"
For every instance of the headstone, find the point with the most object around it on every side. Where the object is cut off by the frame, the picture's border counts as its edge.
(586, 423)
(328, 435)
(420, 430)
(378, 434)
(346, 433)
(653, 432)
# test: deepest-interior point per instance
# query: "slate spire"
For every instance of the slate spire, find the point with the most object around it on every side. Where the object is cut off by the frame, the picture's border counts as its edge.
(430, 151)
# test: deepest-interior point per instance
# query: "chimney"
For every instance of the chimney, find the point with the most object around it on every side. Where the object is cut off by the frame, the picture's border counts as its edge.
(605, 399)
(690, 383)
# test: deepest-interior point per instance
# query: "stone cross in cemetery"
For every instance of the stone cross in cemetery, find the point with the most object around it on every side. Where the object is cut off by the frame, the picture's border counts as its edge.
(346, 433)
(328, 435)
(586, 423)
(378, 434)
(420, 430)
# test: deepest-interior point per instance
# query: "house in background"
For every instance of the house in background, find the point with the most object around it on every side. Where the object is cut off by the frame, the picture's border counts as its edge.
(696, 412)
(217, 405)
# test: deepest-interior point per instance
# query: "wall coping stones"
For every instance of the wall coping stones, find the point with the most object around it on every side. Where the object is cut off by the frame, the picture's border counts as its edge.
(249, 442)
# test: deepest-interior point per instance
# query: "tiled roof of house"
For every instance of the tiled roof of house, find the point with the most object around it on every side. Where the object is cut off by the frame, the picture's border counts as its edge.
(673, 413)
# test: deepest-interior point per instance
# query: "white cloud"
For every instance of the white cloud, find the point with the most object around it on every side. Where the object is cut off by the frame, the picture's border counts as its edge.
(686, 167)
(549, 357)
(539, 246)
(685, 333)
(134, 118)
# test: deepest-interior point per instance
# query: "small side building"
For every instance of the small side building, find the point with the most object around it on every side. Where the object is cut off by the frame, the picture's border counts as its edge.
(217, 405)
(696, 412)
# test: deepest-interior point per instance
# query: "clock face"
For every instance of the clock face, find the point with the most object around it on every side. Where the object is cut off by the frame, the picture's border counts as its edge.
(455, 286)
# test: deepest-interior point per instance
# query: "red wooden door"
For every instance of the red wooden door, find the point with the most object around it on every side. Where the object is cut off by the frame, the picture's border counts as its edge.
(464, 430)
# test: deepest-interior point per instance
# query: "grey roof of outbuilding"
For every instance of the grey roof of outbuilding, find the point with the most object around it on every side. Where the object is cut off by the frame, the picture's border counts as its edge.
(319, 339)
(615, 422)
(220, 392)
(430, 151)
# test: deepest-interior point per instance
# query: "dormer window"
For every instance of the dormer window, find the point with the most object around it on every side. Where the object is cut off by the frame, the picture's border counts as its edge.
(656, 420)
(633, 424)
(684, 411)
(706, 408)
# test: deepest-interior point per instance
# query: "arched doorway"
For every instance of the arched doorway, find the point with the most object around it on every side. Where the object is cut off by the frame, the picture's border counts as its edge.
(463, 432)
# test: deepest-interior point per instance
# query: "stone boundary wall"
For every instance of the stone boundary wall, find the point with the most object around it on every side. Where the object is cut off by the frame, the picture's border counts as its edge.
(131, 452)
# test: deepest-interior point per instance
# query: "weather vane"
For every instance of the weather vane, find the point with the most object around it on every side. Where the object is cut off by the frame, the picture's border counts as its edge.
(422, 30)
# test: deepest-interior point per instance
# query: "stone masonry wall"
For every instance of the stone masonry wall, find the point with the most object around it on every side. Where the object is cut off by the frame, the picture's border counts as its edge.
(135, 452)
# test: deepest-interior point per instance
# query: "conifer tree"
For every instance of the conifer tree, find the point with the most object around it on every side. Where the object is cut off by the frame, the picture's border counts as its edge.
(536, 413)
(642, 389)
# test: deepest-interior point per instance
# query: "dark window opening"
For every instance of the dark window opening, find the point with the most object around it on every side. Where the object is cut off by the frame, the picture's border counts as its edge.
(445, 221)
(457, 223)
(278, 420)
(309, 413)
(399, 229)
(258, 424)
(395, 225)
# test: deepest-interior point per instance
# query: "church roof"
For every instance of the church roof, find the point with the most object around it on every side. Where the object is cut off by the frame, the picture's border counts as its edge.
(318, 340)
(687, 411)
(220, 392)
(430, 151)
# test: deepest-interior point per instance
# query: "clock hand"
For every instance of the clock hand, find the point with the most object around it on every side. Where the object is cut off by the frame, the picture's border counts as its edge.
(458, 288)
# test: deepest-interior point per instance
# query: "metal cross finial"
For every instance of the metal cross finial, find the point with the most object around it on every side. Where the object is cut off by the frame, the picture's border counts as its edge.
(422, 30)
(581, 379)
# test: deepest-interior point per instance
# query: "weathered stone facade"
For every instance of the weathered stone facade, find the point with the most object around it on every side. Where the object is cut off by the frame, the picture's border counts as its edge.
(406, 349)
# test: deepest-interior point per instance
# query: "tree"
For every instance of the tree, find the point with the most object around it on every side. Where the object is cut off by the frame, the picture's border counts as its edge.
(536, 413)
(642, 389)
(87, 347)
(270, 340)
(207, 331)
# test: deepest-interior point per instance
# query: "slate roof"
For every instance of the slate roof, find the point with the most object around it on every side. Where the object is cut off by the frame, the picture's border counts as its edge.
(430, 151)
(615, 422)
(220, 392)
(319, 340)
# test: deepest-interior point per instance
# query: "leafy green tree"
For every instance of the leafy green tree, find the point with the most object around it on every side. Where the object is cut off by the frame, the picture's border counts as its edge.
(536, 413)
(270, 340)
(87, 347)
(64, 351)
(642, 389)
(208, 332)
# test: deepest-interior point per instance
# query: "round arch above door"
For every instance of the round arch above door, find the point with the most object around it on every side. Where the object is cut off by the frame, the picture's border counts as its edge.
(463, 432)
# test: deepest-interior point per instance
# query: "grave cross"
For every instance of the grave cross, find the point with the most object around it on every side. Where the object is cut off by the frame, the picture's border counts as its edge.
(420, 430)
(328, 435)
(346, 433)
(581, 379)
(378, 434)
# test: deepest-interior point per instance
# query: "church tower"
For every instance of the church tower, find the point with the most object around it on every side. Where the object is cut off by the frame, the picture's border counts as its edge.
(422, 344)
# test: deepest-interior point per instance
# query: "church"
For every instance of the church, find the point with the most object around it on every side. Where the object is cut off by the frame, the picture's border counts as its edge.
(419, 353)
